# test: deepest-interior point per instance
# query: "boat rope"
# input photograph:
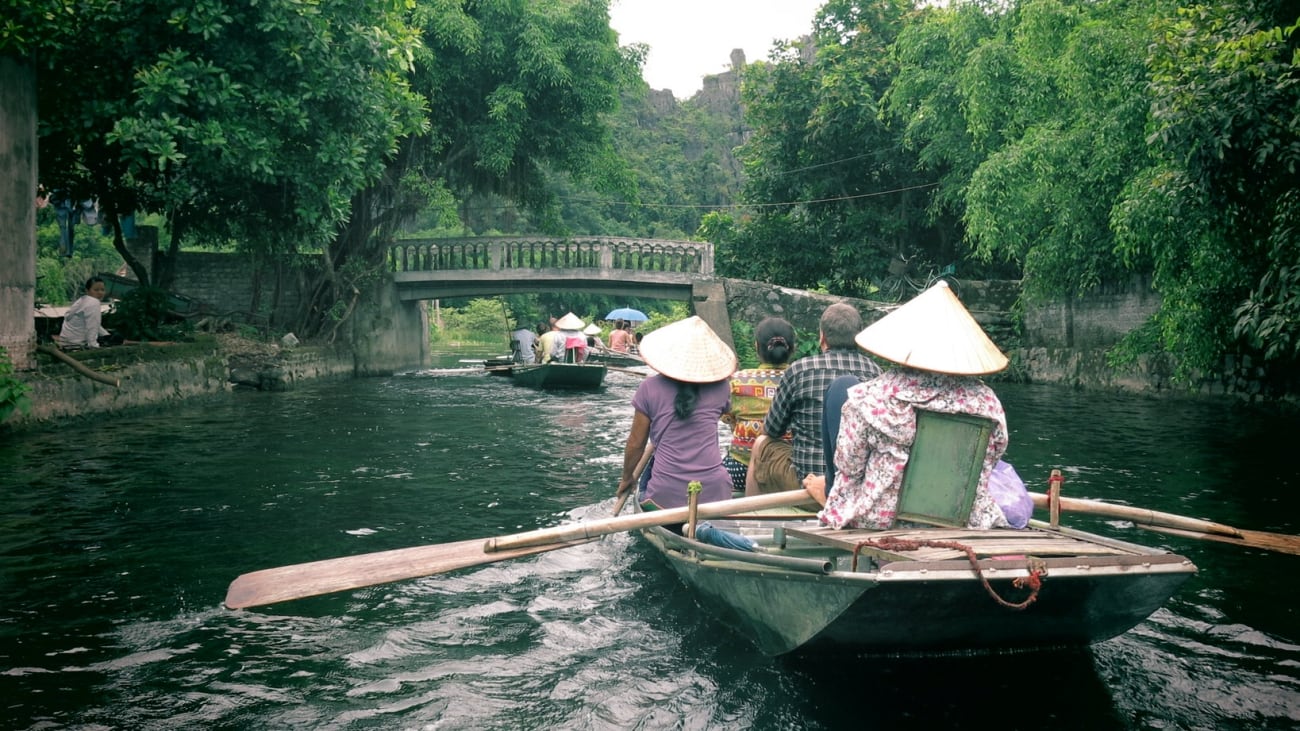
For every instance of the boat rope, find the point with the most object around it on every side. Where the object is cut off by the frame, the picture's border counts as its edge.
(893, 544)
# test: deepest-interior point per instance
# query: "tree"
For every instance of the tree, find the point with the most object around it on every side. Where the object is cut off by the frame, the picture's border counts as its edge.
(835, 195)
(515, 91)
(252, 124)
(1217, 211)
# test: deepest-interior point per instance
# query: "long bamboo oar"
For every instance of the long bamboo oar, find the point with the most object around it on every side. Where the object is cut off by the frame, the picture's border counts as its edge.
(299, 581)
(605, 526)
(1180, 525)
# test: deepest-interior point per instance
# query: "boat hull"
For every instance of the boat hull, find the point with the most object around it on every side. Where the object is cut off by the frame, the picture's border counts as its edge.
(940, 607)
(559, 375)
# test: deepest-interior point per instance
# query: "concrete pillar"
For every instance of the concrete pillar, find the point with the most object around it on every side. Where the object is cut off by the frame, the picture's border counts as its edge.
(18, 166)
(709, 301)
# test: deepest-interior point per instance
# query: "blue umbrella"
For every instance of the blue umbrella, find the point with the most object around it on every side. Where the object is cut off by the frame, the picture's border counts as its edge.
(627, 313)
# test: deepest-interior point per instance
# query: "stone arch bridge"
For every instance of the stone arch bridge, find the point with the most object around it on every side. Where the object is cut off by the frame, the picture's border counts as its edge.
(424, 269)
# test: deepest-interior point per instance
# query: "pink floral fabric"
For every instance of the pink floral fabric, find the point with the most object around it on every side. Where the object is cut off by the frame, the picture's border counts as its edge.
(877, 427)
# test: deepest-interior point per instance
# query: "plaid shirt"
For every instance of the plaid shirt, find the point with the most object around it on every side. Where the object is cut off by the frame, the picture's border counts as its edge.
(797, 405)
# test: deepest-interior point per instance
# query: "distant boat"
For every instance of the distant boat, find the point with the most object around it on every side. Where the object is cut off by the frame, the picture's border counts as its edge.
(615, 358)
(548, 375)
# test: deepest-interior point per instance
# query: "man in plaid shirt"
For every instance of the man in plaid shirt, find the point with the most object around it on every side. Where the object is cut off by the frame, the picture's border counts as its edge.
(797, 407)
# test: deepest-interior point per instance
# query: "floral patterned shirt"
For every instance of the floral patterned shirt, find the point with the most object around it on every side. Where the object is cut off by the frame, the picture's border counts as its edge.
(877, 427)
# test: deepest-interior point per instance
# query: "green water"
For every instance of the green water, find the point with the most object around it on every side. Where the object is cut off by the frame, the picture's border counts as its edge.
(119, 535)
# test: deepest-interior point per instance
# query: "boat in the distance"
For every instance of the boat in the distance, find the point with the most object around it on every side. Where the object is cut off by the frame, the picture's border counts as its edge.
(553, 375)
(614, 358)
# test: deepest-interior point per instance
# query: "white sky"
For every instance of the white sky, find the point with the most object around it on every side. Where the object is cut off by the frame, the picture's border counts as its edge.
(689, 39)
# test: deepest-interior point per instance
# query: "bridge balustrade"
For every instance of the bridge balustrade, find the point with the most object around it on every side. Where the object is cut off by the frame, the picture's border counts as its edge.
(497, 253)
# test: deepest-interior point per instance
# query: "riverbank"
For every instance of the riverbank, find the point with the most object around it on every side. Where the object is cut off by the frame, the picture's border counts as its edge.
(154, 373)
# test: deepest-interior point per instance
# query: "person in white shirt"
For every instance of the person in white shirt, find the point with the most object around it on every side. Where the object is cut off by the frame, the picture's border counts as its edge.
(81, 326)
(521, 345)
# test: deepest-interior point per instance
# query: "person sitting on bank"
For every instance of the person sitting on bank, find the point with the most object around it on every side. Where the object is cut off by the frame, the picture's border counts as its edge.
(81, 325)
(678, 410)
(940, 351)
(752, 390)
(779, 466)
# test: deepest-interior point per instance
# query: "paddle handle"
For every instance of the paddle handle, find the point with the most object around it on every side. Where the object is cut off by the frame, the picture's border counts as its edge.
(636, 477)
(1137, 515)
(606, 526)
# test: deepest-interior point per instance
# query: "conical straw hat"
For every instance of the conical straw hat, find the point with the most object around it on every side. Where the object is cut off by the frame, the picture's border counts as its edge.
(689, 350)
(569, 322)
(934, 332)
(592, 329)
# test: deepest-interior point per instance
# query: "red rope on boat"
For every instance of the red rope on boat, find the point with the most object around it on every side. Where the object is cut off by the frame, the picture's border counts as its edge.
(1037, 571)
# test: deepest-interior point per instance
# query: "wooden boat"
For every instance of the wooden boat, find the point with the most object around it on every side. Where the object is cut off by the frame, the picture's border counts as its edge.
(914, 591)
(615, 358)
(556, 375)
(930, 589)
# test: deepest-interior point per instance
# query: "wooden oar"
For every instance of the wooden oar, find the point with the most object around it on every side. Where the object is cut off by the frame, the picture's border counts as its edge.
(1174, 524)
(605, 526)
(636, 476)
(299, 581)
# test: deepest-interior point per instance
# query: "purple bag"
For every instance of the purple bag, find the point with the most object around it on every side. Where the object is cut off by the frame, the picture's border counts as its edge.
(1009, 492)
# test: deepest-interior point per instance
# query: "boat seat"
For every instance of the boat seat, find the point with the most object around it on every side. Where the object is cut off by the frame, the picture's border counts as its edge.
(943, 468)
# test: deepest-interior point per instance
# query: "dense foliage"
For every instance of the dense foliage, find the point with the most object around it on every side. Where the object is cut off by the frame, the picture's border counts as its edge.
(1074, 144)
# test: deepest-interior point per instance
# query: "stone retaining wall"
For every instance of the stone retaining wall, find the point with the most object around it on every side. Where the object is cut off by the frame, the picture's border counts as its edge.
(151, 376)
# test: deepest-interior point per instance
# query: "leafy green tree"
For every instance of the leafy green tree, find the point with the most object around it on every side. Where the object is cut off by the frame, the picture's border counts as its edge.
(834, 195)
(1217, 211)
(514, 91)
(247, 123)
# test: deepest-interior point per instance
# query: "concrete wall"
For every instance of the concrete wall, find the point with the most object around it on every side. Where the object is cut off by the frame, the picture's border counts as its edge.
(389, 334)
(233, 283)
(150, 378)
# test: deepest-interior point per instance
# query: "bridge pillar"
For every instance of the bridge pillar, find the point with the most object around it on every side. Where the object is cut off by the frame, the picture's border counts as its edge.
(709, 301)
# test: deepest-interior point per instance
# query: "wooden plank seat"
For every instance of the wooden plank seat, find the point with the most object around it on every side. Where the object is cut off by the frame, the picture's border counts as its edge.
(986, 543)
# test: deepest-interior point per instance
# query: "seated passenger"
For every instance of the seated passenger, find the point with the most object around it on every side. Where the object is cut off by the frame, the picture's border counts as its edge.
(940, 350)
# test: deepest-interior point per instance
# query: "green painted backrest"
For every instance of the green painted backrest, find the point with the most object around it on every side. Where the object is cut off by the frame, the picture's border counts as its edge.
(943, 468)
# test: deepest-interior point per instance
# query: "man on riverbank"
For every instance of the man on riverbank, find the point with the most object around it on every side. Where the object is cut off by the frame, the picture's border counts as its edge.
(776, 466)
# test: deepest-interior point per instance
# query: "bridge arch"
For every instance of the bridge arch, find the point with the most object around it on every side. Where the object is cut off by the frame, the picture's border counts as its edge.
(424, 269)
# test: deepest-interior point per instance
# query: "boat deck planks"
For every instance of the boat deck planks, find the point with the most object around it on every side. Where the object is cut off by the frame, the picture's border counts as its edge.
(986, 543)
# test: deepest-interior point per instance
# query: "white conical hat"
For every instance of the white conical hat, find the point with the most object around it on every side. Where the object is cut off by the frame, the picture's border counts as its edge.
(934, 332)
(689, 350)
(569, 322)
(592, 329)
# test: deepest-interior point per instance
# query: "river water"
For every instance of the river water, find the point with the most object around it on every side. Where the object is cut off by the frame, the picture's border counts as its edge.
(119, 536)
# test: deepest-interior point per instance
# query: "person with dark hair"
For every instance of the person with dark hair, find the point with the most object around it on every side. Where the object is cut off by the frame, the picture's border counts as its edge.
(939, 352)
(678, 411)
(778, 466)
(620, 339)
(81, 325)
(752, 390)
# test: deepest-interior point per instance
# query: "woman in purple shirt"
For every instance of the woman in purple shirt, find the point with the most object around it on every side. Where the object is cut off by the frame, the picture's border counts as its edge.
(678, 411)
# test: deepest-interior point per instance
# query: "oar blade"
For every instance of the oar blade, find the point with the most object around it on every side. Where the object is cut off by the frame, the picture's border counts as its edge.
(299, 581)
(1279, 542)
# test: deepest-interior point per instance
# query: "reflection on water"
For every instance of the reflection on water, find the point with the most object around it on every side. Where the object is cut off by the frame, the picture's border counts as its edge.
(115, 553)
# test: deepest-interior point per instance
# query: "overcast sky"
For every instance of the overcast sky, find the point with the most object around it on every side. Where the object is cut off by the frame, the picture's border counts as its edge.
(691, 38)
